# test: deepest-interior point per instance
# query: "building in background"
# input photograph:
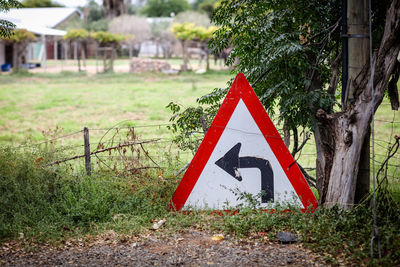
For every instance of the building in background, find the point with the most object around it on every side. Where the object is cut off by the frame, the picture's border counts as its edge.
(48, 24)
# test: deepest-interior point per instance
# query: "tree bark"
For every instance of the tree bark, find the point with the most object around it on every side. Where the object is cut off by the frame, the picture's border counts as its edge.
(340, 136)
(114, 8)
(184, 55)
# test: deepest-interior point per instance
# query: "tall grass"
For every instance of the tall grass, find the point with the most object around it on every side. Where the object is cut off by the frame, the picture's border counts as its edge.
(49, 203)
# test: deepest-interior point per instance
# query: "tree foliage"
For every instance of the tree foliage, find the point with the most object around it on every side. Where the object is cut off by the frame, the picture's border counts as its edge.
(288, 41)
(104, 38)
(290, 51)
(76, 34)
(39, 3)
(206, 6)
(184, 31)
(288, 47)
(95, 17)
(19, 36)
(107, 38)
(164, 8)
(188, 31)
(5, 25)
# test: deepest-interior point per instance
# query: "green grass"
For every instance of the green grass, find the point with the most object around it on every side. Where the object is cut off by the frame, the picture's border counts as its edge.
(35, 103)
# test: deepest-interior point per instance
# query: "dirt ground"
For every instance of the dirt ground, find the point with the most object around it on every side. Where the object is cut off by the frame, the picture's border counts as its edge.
(189, 248)
(87, 69)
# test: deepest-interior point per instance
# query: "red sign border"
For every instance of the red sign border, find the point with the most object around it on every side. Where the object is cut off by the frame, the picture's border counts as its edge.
(241, 89)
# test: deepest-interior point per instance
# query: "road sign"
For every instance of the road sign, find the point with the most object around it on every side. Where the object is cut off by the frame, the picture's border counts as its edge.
(242, 152)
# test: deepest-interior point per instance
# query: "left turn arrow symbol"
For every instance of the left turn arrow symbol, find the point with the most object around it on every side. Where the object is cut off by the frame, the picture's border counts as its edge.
(231, 162)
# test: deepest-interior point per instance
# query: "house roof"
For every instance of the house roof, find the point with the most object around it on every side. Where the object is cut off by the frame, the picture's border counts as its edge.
(40, 20)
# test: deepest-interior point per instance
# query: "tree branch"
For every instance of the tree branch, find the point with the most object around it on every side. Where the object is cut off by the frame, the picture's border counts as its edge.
(310, 180)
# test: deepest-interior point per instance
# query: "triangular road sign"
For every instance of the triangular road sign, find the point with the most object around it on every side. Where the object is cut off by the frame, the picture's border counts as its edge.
(242, 152)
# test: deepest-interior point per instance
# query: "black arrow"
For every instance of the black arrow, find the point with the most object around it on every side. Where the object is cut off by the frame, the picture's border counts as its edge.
(231, 162)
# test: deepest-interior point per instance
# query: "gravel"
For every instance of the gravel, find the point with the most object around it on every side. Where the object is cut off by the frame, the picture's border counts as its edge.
(194, 248)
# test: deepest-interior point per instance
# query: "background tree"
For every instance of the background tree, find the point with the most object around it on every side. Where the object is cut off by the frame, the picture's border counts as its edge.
(165, 8)
(291, 52)
(206, 6)
(197, 18)
(94, 17)
(132, 26)
(109, 42)
(203, 36)
(186, 29)
(294, 48)
(115, 8)
(20, 39)
(78, 37)
(159, 30)
(7, 26)
(184, 33)
(39, 3)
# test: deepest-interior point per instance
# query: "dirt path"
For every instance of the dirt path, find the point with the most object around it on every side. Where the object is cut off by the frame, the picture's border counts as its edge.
(194, 248)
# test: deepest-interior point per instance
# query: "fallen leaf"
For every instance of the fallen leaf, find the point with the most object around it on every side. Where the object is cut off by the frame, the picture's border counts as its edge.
(217, 237)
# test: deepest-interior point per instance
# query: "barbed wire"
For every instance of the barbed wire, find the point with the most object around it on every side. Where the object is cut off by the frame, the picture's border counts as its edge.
(48, 140)
(122, 134)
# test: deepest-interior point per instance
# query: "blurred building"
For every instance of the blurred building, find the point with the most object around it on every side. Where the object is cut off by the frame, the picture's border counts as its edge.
(47, 24)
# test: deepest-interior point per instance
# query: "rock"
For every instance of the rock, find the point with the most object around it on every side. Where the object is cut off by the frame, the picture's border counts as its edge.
(159, 223)
(139, 65)
(170, 72)
(200, 71)
(287, 237)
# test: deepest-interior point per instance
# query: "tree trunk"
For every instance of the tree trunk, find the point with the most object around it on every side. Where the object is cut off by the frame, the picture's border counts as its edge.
(157, 48)
(79, 56)
(340, 136)
(15, 65)
(207, 59)
(114, 8)
(348, 132)
(83, 49)
(130, 56)
(184, 56)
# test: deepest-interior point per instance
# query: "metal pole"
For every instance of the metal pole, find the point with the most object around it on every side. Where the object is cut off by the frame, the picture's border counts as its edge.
(344, 51)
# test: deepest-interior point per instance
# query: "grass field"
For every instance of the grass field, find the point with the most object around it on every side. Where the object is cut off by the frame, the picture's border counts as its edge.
(46, 105)
(32, 104)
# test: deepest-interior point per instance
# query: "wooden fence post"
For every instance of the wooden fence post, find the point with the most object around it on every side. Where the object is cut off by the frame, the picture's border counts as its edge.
(87, 150)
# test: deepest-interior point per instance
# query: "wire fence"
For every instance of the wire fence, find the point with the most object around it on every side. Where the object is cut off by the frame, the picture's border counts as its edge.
(133, 148)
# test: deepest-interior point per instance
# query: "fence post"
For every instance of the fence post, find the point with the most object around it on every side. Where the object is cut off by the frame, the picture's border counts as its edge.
(87, 150)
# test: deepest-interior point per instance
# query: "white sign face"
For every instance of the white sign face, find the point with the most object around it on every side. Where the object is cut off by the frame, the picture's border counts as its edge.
(216, 188)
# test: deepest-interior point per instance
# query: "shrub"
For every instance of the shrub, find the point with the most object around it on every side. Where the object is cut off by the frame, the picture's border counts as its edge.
(40, 201)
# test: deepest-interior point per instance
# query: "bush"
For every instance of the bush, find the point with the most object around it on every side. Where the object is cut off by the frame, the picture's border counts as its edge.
(47, 202)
